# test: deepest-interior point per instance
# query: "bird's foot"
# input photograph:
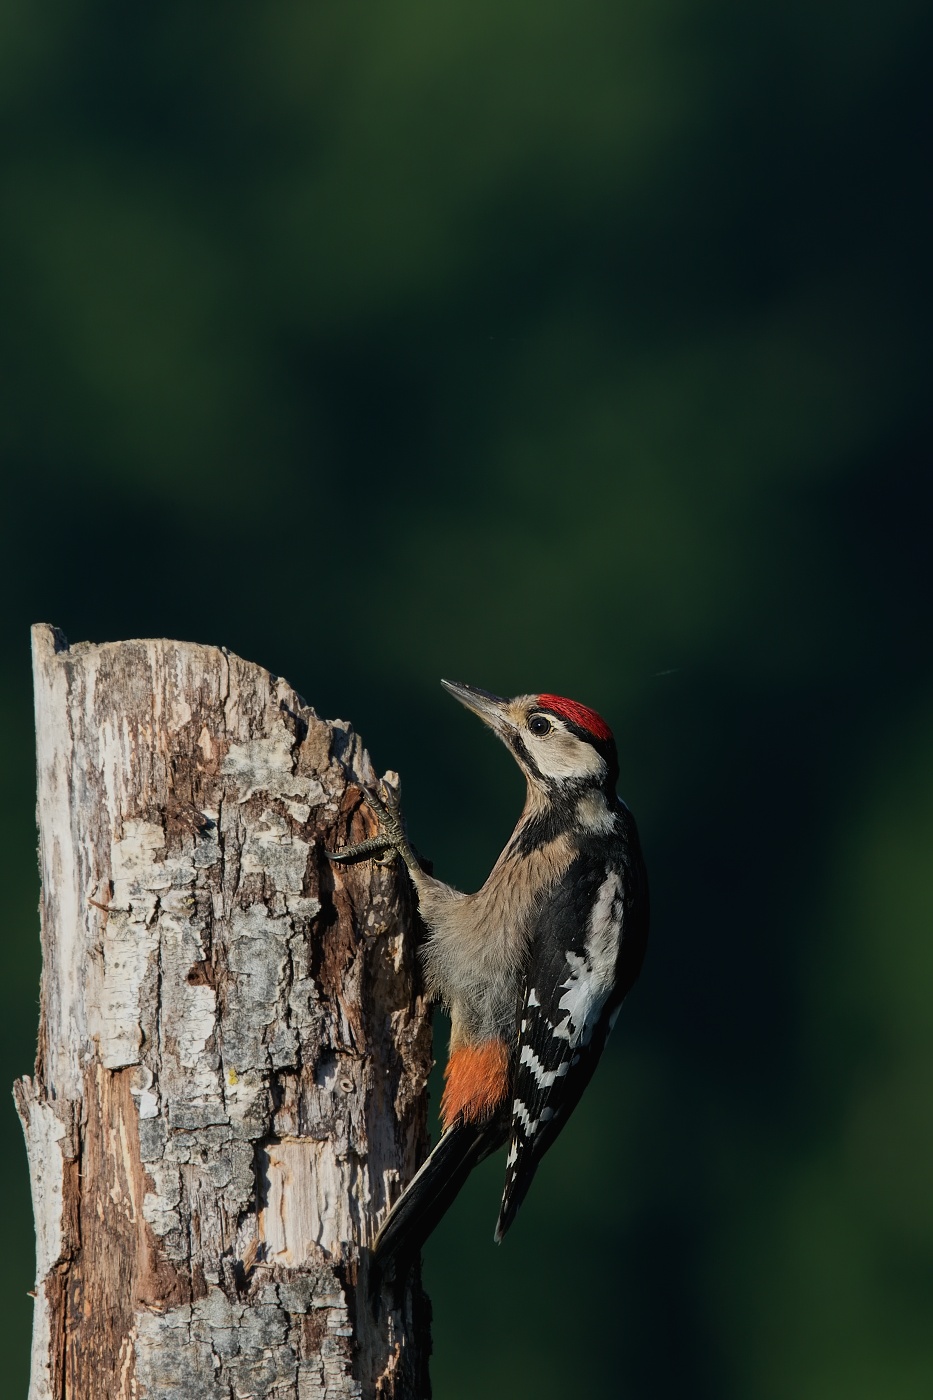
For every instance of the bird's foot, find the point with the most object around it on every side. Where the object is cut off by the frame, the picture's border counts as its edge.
(391, 839)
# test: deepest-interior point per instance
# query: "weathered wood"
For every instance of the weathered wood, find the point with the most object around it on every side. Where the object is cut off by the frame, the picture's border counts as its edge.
(233, 1051)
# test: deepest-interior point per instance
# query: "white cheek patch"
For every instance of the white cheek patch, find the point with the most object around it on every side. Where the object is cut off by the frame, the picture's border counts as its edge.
(563, 755)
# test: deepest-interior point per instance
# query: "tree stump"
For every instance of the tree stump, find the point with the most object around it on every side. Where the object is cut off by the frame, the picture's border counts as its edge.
(233, 1048)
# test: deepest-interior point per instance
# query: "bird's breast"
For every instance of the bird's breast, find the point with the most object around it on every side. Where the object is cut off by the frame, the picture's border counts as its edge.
(478, 941)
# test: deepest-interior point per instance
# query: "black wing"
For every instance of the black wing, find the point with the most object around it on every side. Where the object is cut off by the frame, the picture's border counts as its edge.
(585, 955)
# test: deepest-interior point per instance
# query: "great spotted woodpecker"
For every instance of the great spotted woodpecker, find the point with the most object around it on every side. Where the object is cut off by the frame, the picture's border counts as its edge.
(534, 966)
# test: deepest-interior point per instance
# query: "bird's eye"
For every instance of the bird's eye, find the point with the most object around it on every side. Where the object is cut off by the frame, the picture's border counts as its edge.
(539, 725)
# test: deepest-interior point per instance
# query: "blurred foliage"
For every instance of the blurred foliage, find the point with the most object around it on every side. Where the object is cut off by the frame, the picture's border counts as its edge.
(569, 347)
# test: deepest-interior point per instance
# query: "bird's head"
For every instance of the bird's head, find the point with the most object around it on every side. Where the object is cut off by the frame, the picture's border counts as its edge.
(559, 744)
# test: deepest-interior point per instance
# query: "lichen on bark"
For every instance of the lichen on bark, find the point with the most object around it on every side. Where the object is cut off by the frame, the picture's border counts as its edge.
(233, 1047)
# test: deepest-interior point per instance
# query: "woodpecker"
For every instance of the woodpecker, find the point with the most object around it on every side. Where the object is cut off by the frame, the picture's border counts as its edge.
(533, 967)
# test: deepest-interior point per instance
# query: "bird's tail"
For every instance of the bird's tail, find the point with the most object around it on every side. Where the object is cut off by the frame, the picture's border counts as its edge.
(432, 1190)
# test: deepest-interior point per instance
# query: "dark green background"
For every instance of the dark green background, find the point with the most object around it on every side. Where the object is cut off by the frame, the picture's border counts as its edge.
(578, 347)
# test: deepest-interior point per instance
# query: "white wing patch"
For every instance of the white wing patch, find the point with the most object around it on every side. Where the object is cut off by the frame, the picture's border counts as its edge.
(544, 1078)
(529, 1125)
(592, 973)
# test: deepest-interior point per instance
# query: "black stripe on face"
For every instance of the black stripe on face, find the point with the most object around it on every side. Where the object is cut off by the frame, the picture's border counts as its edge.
(559, 817)
(524, 757)
(560, 789)
(539, 831)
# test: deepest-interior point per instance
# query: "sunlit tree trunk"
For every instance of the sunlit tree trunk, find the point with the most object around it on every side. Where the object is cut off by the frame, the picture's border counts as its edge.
(232, 1048)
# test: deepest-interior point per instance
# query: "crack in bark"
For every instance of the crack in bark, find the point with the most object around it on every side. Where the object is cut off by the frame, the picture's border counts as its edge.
(231, 1155)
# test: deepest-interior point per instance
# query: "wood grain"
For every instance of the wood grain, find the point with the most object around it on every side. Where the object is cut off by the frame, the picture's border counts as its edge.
(233, 1047)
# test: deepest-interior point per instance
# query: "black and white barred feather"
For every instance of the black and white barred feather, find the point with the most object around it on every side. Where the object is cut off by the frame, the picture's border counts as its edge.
(585, 955)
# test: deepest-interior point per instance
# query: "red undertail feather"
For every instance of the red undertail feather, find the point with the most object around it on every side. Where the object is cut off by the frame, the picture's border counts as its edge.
(476, 1082)
(580, 715)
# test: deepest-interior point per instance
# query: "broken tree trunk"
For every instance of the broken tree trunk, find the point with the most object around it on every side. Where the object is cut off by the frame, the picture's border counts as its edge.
(233, 1051)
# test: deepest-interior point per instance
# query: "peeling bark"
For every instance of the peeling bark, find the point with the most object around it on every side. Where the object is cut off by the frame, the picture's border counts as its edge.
(233, 1049)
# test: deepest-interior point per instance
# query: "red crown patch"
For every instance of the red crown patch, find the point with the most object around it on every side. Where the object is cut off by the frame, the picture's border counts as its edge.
(580, 715)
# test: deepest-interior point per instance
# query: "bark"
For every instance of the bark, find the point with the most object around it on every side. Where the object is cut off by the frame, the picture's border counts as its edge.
(233, 1048)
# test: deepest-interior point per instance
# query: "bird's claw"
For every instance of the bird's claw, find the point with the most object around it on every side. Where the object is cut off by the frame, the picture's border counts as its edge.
(390, 841)
(374, 848)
